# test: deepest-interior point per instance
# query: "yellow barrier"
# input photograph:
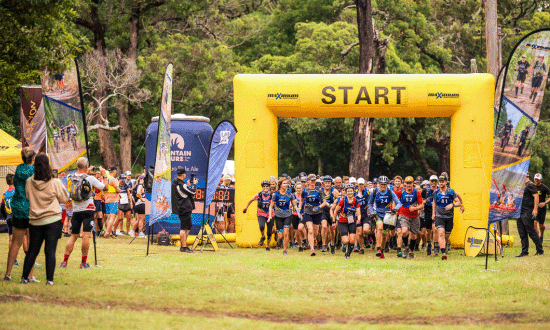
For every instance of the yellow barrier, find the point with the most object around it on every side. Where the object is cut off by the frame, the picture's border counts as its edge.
(467, 99)
(191, 239)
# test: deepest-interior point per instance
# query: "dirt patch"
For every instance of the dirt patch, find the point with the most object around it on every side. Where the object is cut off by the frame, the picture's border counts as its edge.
(499, 318)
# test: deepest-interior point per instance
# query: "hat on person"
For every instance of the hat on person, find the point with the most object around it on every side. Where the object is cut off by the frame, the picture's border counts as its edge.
(181, 170)
(112, 168)
(312, 177)
(433, 177)
(352, 180)
(419, 179)
(523, 55)
(122, 176)
(369, 182)
(425, 183)
(303, 178)
(538, 176)
(128, 173)
(226, 177)
(541, 55)
(442, 178)
(360, 181)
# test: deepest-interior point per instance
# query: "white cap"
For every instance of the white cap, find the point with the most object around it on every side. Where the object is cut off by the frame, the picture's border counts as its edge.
(433, 177)
(538, 176)
(352, 180)
(360, 181)
(226, 177)
(128, 173)
(425, 182)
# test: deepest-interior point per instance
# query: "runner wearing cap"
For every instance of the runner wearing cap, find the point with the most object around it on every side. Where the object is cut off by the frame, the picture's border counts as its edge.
(313, 197)
(365, 225)
(539, 70)
(445, 200)
(427, 196)
(409, 219)
(298, 217)
(541, 215)
(264, 200)
(130, 185)
(521, 68)
(331, 195)
(380, 201)
(282, 201)
(124, 206)
(423, 232)
(348, 212)
(353, 181)
(394, 233)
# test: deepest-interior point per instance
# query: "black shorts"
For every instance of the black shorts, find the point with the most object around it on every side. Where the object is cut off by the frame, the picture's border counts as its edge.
(103, 208)
(446, 223)
(140, 208)
(124, 207)
(427, 221)
(521, 76)
(295, 221)
(98, 207)
(282, 223)
(84, 218)
(541, 215)
(326, 216)
(230, 210)
(185, 221)
(347, 228)
(315, 218)
(20, 223)
(9, 223)
(536, 81)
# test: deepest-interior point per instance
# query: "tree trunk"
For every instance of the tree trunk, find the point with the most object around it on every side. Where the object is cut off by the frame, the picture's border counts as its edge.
(320, 165)
(362, 127)
(125, 137)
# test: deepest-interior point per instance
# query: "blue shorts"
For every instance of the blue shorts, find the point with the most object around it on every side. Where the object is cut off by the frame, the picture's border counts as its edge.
(9, 223)
(315, 218)
(111, 208)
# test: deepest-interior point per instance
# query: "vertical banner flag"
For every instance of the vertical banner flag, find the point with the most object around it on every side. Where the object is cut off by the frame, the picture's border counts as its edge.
(65, 120)
(33, 127)
(161, 198)
(220, 145)
(523, 86)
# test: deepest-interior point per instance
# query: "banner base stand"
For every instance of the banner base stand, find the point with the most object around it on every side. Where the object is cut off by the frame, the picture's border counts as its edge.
(205, 236)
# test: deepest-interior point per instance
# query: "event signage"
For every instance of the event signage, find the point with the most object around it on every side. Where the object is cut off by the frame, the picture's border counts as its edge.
(64, 119)
(161, 198)
(364, 95)
(524, 82)
(33, 128)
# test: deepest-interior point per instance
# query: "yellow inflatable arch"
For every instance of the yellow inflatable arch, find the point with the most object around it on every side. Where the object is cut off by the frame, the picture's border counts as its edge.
(467, 99)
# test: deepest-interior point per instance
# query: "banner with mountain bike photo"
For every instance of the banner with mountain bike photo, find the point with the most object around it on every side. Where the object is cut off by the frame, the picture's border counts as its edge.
(64, 119)
(525, 78)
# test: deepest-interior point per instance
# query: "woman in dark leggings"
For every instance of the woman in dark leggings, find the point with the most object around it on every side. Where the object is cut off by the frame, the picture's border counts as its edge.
(282, 201)
(45, 194)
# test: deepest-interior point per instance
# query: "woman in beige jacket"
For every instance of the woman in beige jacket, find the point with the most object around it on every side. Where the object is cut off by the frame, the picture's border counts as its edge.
(45, 194)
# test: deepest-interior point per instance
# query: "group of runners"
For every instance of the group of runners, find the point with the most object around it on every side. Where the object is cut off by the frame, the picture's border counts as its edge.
(59, 132)
(324, 212)
(538, 71)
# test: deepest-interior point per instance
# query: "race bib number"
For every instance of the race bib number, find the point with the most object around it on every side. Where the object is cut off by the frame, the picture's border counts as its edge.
(124, 199)
(350, 219)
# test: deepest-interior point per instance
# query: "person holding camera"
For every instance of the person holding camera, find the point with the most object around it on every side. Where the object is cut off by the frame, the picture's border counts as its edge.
(82, 195)
(183, 204)
(526, 221)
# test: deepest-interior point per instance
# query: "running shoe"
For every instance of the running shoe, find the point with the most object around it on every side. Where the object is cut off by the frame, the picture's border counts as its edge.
(23, 281)
(49, 283)
(285, 253)
(429, 250)
(347, 257)
(16, 263)
(387, 249)
(343, 248)
(399, 254)
(411, 256)
(378, 252)
(332, 249)
(300, 249)
(261, 242)
(66, 235)
(292, 245)
(37, 265)
(449, 248)
(118, 232)
(312, 252)
(84, 266)
(356, 248)
(382, 256)
(361, 251)
(324, 248)
(33, 280)
(367, 245)
(132, 234)
(267, 249)
(63, 265)
(7, 278)
(436, 251)
(444, 257)
(405, 253)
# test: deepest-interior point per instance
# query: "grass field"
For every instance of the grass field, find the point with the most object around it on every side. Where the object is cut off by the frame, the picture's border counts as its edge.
(251, 288)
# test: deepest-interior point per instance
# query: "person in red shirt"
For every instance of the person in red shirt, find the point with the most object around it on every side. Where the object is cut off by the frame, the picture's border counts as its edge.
(408, 217)
(348, 212)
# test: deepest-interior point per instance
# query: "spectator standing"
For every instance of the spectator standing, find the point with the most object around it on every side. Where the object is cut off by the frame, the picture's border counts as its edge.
(111, 200)
(526, 221)
(5, 208)
(20, 208)
(82, 194)
(543, 192)
(45, 194)
(183, 204)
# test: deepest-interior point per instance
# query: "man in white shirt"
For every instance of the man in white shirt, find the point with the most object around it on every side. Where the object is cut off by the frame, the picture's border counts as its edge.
(83, 211)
